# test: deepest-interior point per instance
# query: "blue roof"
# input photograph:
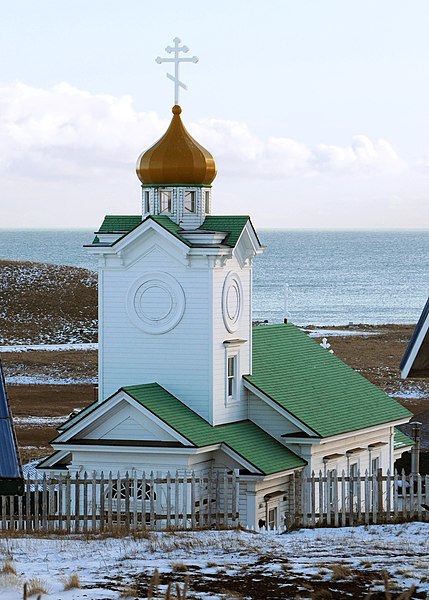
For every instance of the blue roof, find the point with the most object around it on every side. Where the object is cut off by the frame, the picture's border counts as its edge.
(9, 461)
(415, 335)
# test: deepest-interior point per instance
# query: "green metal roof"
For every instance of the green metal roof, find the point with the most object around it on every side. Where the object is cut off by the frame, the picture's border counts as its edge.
(119, 223)
(401, 440)
(315, 386)
(244, 437)
(234, 225)
(170, 226)
(231, 225)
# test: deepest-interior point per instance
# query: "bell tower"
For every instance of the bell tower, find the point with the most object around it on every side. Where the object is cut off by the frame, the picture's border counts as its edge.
(175, 281)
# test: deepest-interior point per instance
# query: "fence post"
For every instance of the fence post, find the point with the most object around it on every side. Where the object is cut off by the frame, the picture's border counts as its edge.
(77, 504)
(313, 497)
(94, 501)
(380, 495)
(68, 503)
(168, 500)
(335, 498)
(101, 496)
(127, 501)
(28, 503)
(110, 501)
(44, 503)
(176, 500)
(412, 496)
(321, 499)
(135, 498)
(395, 495)
(85, 502)
(193, 519)
(388, 496)
(343, 499)
(236, 496)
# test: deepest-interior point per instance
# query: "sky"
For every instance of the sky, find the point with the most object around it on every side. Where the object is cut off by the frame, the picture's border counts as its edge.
(316, 111)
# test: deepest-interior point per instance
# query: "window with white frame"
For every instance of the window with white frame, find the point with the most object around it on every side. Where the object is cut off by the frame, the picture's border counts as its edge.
(190, 204)
(231, 377)
(147, 201)
(165, 201)
(375, 465)
(206, 201)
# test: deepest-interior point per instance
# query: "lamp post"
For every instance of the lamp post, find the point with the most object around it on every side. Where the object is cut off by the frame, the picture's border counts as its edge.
(415, 452)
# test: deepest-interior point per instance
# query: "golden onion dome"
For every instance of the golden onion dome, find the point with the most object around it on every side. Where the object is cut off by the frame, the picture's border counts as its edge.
(176, 158)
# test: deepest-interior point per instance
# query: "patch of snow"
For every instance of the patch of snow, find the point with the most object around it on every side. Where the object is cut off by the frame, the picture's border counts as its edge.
(106, 566)
(410, 392)
(49, 347)
(39, 421)
(338, 332)
(43, 379)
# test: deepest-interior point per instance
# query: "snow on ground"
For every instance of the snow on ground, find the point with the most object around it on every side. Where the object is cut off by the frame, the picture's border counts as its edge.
(338, 332)
(39, 421)
(48, 347)
(347, 561)
(410, 392)
(45, 379)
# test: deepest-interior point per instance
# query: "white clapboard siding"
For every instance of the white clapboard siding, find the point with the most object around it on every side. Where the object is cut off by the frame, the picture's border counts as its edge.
(131, 356)
(269, 419)
(224, 412)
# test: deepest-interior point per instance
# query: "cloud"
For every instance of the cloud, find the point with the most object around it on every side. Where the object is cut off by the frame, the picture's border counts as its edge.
(67, 158)
(67, 133)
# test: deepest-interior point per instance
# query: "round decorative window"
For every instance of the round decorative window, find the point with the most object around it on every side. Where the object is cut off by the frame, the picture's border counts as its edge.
(156, 302)
(232, 301)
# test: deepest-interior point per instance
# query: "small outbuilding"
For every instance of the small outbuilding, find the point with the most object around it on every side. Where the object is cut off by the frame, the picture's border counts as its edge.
(415, 362)
(11, 481)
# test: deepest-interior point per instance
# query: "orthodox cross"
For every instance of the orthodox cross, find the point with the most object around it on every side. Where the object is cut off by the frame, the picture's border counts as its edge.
(176, 60)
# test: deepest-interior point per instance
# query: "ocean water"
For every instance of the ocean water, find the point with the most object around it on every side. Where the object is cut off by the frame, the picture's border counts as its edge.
(326, 277)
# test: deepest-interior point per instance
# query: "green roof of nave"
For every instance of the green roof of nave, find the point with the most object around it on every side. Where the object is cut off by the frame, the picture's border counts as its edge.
(232, 225)
(244, 437)
(315, 386)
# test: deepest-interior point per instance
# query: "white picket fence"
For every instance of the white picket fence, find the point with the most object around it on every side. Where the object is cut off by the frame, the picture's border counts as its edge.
(95, 503)
(330, 499)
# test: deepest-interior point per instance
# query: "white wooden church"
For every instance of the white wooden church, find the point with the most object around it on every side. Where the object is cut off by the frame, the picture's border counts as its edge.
(185, 381)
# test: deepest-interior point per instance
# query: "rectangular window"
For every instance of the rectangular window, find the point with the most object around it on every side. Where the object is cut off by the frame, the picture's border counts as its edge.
(190, 206)
(147, 201)
(272, 518)
(375, 465)
(231, 377)
(206, 202)
(165, 201)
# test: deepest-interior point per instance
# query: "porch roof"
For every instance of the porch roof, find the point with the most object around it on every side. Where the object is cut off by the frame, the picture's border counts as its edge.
(315, 386)
(243, 437)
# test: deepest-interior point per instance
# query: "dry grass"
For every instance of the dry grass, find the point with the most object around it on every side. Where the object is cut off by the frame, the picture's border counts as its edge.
(47, 303)
(322, 595)
(129, 591)
(340, 572)
(179, 567)
(8, 568)
(36, 585)
(72, 582)
(153, 584)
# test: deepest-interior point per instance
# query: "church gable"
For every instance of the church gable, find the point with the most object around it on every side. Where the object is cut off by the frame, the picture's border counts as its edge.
(316, 387)
(120, 417)
(125, 422)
